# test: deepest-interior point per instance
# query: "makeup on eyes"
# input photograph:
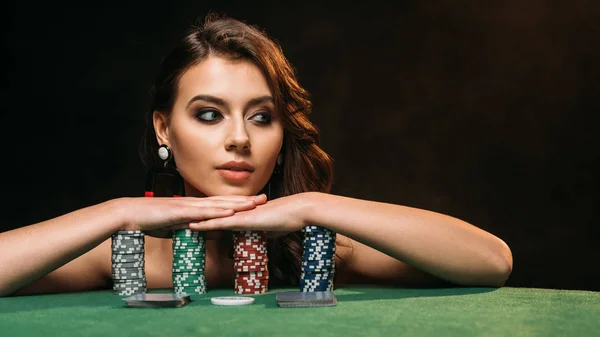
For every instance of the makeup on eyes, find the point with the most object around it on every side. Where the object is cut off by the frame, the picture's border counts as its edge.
(216, 115)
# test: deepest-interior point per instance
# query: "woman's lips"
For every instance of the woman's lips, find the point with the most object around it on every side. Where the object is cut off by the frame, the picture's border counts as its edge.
(234, 174)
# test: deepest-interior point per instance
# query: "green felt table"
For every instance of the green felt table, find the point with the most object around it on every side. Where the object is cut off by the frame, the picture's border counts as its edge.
(361, 311)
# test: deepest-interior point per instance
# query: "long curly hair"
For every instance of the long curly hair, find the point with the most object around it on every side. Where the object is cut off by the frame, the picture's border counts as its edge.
(306, 166)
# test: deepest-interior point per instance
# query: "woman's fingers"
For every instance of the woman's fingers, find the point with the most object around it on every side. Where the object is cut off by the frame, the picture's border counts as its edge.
(239, 197)
(235, 205)
(210, 213)
(178, 226)
(150, 214)
(235, 198)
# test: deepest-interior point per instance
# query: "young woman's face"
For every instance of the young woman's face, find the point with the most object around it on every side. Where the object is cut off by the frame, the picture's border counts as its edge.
(223, 112)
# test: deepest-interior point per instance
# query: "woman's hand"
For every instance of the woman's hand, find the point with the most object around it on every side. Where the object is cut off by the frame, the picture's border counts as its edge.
(276, 217)
(159, 216)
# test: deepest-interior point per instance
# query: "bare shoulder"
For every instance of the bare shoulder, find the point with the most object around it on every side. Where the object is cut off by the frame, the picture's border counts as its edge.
(358, 263)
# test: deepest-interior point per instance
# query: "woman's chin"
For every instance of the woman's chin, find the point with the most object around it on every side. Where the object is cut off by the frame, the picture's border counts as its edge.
(228, 190)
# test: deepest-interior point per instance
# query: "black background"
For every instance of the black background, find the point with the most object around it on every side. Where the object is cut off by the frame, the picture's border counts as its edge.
(483, 112)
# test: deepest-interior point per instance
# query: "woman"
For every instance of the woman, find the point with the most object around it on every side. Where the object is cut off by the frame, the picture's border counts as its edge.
(228, 106)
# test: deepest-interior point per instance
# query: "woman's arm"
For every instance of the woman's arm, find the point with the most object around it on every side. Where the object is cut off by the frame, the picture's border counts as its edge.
(64, 253)
(440, 245)
(28, 253)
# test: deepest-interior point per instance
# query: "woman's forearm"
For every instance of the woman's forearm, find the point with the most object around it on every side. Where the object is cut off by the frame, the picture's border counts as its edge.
(29, 252)
(446, 247)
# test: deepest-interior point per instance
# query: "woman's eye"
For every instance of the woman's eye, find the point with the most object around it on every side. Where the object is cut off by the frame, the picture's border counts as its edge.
(208, 116)
(263, 118)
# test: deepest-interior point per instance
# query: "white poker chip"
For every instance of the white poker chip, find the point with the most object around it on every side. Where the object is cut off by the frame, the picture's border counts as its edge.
(232, 300)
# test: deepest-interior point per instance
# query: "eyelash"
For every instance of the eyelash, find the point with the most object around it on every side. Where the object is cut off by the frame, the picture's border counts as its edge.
(203, 112)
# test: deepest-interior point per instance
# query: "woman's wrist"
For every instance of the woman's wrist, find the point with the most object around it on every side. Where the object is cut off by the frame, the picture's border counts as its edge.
(116, 210)
(310, 204)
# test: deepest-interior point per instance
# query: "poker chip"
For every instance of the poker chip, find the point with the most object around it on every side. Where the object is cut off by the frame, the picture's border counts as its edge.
(232, 300)
(127, 263)
(189, 261)
(318, 260)
(250, 262)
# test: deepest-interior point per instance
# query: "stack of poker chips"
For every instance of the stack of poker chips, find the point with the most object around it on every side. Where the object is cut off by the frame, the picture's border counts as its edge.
(250, 262)
(318, 260)
(128, 272)
(189, 261)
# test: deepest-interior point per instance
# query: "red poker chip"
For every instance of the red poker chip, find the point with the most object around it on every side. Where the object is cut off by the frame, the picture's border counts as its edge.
(250, 257)
(252, 275)
(250, 244)
(243, 252)
(262, 261)
(265, 276)
(249, 235)
(255, 246)
(253, 284)
(250, 268)
(247, 291)
(261, 280)
(239, 249)
(250, 289)
(250, 262)
(248, 286)
(252, 279)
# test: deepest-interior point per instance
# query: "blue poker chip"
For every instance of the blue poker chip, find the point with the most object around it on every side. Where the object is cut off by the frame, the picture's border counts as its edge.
(315, 229)
(318, 262)
(318, 243)
(317, 235)
(324, 270)
(327, 270)
(327, 235)
(316, 282)
(313, 275)
(318, 259)
(316, 285)
(324, 262)
(329, 262)
(319, 251)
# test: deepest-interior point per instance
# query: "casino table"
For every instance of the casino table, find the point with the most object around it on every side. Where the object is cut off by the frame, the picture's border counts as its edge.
(360, 311)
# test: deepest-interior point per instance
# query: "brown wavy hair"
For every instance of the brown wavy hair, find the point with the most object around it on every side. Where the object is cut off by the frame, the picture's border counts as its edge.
(306, 167)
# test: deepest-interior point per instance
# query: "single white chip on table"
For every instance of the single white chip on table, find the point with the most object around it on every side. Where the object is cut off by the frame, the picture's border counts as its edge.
(232, 300)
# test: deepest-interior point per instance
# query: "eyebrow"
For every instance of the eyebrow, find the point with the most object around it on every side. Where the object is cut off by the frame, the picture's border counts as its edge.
(219, 101)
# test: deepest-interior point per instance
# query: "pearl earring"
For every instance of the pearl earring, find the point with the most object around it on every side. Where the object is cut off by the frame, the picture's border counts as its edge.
(164, 153)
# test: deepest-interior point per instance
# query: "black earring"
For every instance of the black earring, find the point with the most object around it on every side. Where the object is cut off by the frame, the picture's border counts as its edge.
(278, 165)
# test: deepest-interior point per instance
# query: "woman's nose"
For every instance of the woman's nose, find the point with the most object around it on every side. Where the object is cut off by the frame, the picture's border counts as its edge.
(238, 137)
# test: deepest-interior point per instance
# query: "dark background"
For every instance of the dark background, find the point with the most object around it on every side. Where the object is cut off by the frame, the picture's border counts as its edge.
(482, 111)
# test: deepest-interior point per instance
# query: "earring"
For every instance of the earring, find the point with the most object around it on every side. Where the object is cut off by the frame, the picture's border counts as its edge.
(164, 153)
(277, 169)
(164, 181)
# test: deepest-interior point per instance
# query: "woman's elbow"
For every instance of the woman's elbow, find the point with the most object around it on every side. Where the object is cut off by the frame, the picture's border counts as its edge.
(503, 264)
